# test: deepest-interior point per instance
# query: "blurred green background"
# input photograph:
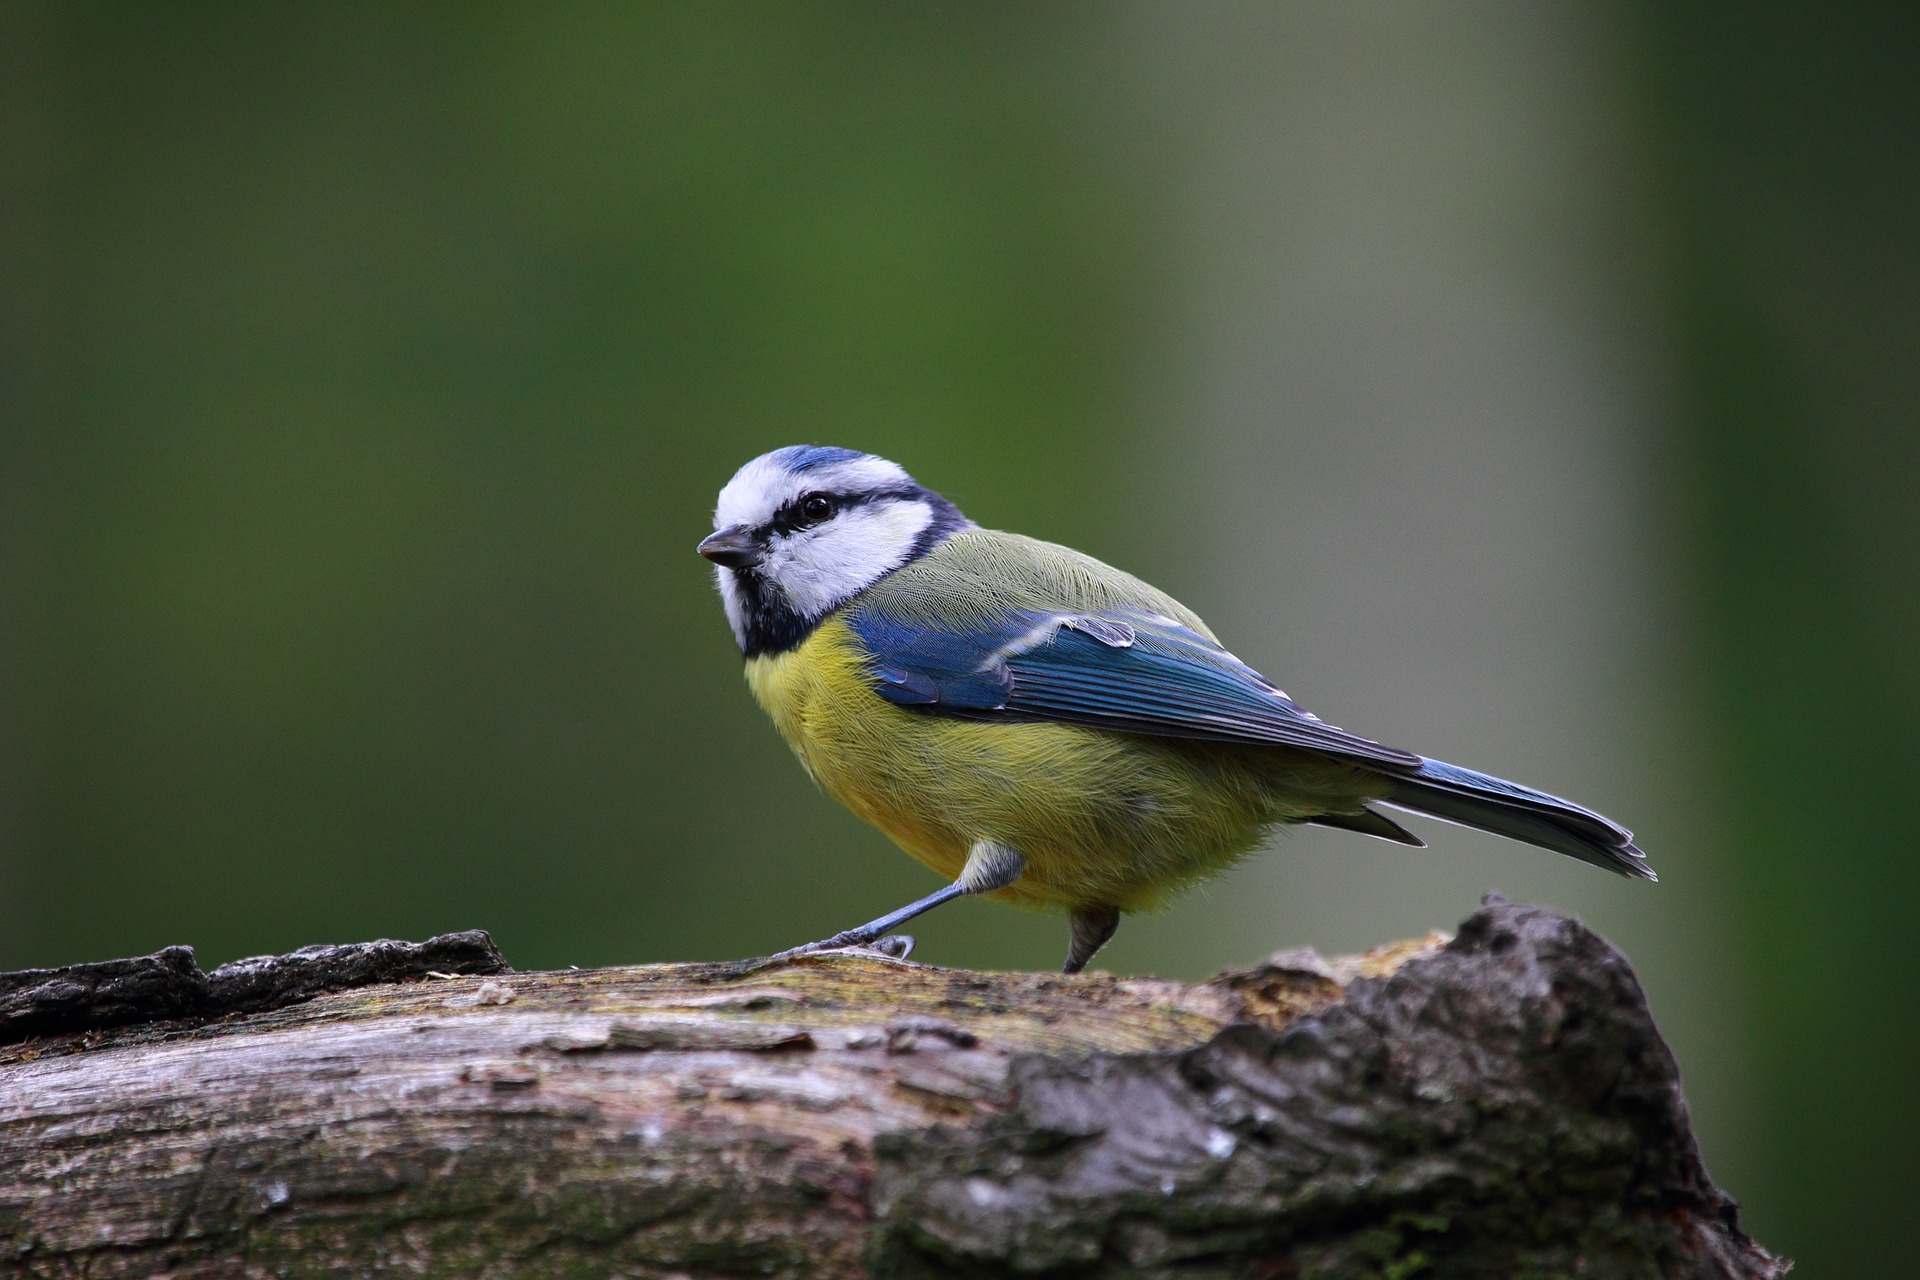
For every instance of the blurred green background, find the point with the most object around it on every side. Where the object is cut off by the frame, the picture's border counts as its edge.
(1532, 386)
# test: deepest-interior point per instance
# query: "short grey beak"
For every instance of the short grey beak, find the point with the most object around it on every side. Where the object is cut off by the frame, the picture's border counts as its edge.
(734, 548)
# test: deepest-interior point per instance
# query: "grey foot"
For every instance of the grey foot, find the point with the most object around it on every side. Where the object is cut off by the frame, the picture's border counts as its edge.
(989, 866)
(1088, 929)
(897, 945)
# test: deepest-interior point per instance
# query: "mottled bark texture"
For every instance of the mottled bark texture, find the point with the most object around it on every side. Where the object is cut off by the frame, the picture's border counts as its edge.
(169, 985)
(1495, 1105)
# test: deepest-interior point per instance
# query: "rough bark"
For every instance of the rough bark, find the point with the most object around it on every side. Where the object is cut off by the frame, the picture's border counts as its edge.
(1497, 1104)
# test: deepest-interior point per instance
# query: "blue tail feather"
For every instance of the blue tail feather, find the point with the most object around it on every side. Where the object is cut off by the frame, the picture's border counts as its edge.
(1479, 800)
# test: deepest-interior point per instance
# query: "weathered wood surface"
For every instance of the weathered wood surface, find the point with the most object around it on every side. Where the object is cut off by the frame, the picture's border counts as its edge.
(1500, 1104)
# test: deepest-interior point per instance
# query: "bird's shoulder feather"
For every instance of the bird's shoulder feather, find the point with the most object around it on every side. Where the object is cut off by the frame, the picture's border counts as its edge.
(978, 576)
(997, 626)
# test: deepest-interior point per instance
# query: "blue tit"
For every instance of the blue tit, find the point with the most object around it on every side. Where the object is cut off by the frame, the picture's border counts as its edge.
(1040, 727)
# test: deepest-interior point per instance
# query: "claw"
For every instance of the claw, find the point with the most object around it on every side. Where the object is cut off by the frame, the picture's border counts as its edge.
(896, 946)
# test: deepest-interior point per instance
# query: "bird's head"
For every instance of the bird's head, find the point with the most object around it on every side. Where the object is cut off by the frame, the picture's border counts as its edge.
(799, 531)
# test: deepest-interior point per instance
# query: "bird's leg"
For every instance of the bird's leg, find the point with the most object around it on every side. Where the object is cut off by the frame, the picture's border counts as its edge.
(1088, 929)
(989, 866)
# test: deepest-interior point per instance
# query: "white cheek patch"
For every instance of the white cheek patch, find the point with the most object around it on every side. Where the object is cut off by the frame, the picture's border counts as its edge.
(730, 601)
(819, 568)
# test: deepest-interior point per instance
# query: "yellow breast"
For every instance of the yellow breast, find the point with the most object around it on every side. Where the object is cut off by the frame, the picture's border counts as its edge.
(860, 748)
(817, 694)
(1102, 818)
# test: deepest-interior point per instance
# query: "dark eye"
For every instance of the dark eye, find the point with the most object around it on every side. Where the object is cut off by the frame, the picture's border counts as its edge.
(815, 507)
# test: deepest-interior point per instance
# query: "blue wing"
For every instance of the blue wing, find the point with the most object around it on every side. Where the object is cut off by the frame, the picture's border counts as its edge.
(1132, 671)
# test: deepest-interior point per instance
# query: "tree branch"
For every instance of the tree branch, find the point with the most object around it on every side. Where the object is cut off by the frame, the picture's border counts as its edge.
(1500, 1104)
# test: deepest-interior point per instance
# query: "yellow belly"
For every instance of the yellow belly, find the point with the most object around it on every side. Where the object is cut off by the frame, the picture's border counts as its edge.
(1102, 818)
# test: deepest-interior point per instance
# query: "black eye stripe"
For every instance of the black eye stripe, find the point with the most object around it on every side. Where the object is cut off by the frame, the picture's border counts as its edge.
(788, 519)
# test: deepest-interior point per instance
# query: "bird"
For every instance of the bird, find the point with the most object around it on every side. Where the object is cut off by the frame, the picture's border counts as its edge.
(1037, 726)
